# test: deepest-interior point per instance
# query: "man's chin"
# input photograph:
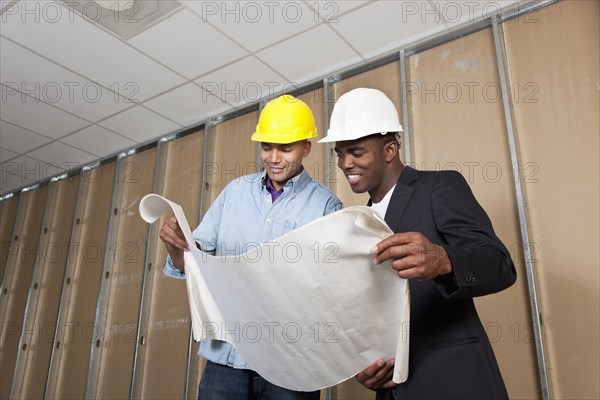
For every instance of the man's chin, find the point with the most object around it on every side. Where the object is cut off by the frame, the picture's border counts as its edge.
(356, 188)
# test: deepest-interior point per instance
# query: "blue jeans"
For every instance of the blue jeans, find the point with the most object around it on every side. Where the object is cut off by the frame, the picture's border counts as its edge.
(220, 382)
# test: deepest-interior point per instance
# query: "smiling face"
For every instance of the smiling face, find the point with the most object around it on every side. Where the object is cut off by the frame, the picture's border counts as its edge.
(368, 164)
(283, 161)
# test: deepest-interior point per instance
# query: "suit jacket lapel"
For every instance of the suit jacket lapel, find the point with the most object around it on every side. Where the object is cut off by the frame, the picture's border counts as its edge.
(400, 198)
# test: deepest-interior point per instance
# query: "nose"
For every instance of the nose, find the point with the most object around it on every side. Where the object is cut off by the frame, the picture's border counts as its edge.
(345, 162)
(273, 157)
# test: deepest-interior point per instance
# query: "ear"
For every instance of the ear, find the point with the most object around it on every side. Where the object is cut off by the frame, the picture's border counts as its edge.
(307, 146)
(390, 150)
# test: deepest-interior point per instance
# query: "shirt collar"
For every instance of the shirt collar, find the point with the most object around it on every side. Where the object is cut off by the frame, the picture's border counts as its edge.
(298, 182)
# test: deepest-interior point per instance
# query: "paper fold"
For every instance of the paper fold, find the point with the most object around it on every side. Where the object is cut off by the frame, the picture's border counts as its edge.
(307, 311)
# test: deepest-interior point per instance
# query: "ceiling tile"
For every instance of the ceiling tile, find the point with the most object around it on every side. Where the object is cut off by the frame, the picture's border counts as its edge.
(140, 124)
(50, 121)
(386, 25)
(245, 81)
(187, 105)
(58, 33)
(62, 155)
(26, 170)
(330, 11)
(256, 25)
(98, 141)
(22, 70)
(18, 139)
(322, 52)
(6, 155)
(455, 13)
(188, 45)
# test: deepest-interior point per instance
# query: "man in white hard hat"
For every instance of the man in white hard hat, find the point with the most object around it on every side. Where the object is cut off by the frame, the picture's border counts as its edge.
(445, 246)
(256, 208)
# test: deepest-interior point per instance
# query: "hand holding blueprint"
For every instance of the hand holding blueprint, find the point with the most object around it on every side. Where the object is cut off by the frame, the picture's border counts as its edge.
(307, 311)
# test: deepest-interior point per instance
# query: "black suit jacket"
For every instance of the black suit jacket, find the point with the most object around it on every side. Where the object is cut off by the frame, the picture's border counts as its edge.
(450, 354)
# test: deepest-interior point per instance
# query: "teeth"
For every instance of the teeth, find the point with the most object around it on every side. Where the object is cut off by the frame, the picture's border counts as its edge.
(353, 177)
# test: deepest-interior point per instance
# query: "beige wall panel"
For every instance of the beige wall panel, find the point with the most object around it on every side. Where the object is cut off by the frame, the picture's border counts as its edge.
(17, 280)
(315, 162)
(75, 324)
(459, 128)
(230, 154)
(557, 51)
(124, 277)
(8, 214)
(386, 79)
(43, 303)
(166, 315)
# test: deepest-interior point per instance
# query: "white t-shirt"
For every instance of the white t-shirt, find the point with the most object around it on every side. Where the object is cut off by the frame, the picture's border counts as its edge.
(382, 206)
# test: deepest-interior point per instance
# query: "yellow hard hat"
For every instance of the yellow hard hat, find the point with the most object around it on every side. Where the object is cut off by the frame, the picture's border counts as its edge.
(285, 119)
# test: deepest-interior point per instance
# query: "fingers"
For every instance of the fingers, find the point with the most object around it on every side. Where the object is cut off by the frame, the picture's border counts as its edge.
(377, 375)
(413, 256)
(172, 235)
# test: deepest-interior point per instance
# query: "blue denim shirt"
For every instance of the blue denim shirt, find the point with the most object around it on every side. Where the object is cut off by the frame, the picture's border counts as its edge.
(243, 216)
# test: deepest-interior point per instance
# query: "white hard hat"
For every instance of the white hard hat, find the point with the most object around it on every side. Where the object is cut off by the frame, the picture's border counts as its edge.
(362, 112)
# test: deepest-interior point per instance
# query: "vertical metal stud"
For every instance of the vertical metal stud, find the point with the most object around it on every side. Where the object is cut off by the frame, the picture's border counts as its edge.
(405, 116)
(93, 374)
(139, 352)
(523, 216)
(327, 160)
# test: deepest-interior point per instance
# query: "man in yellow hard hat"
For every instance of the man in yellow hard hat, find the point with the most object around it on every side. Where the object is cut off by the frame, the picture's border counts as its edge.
(258, 208)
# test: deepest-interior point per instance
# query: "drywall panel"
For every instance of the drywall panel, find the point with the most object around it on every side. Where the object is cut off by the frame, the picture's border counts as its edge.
(315, 162)
(161, 364)
(554, 62)
(230, 154)
(386, 79)
(8, 214)
(458, 124)
(43, 301)
(17, 280)
(121, 288)
(75, 323)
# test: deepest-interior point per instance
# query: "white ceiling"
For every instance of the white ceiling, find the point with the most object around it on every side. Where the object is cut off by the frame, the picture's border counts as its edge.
(73, 92)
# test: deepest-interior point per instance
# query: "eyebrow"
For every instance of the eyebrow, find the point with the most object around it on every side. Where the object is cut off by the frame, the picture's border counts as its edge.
(353, 148)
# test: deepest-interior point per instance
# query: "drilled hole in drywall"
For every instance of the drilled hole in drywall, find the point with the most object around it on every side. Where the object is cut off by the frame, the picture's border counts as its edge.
(24, 346)
(57, 345)
(16, 237)
(98, 343)
(45, 230)
(107, 274)
(78, 221)
(206, 186)
(35, 286)
(142, 340)
(68, 281)
(115, 211)
(149, 266)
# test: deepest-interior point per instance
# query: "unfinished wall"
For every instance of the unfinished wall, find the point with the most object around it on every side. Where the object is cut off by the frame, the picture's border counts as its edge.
(73, 339)
(102, 321)
(554, 56)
